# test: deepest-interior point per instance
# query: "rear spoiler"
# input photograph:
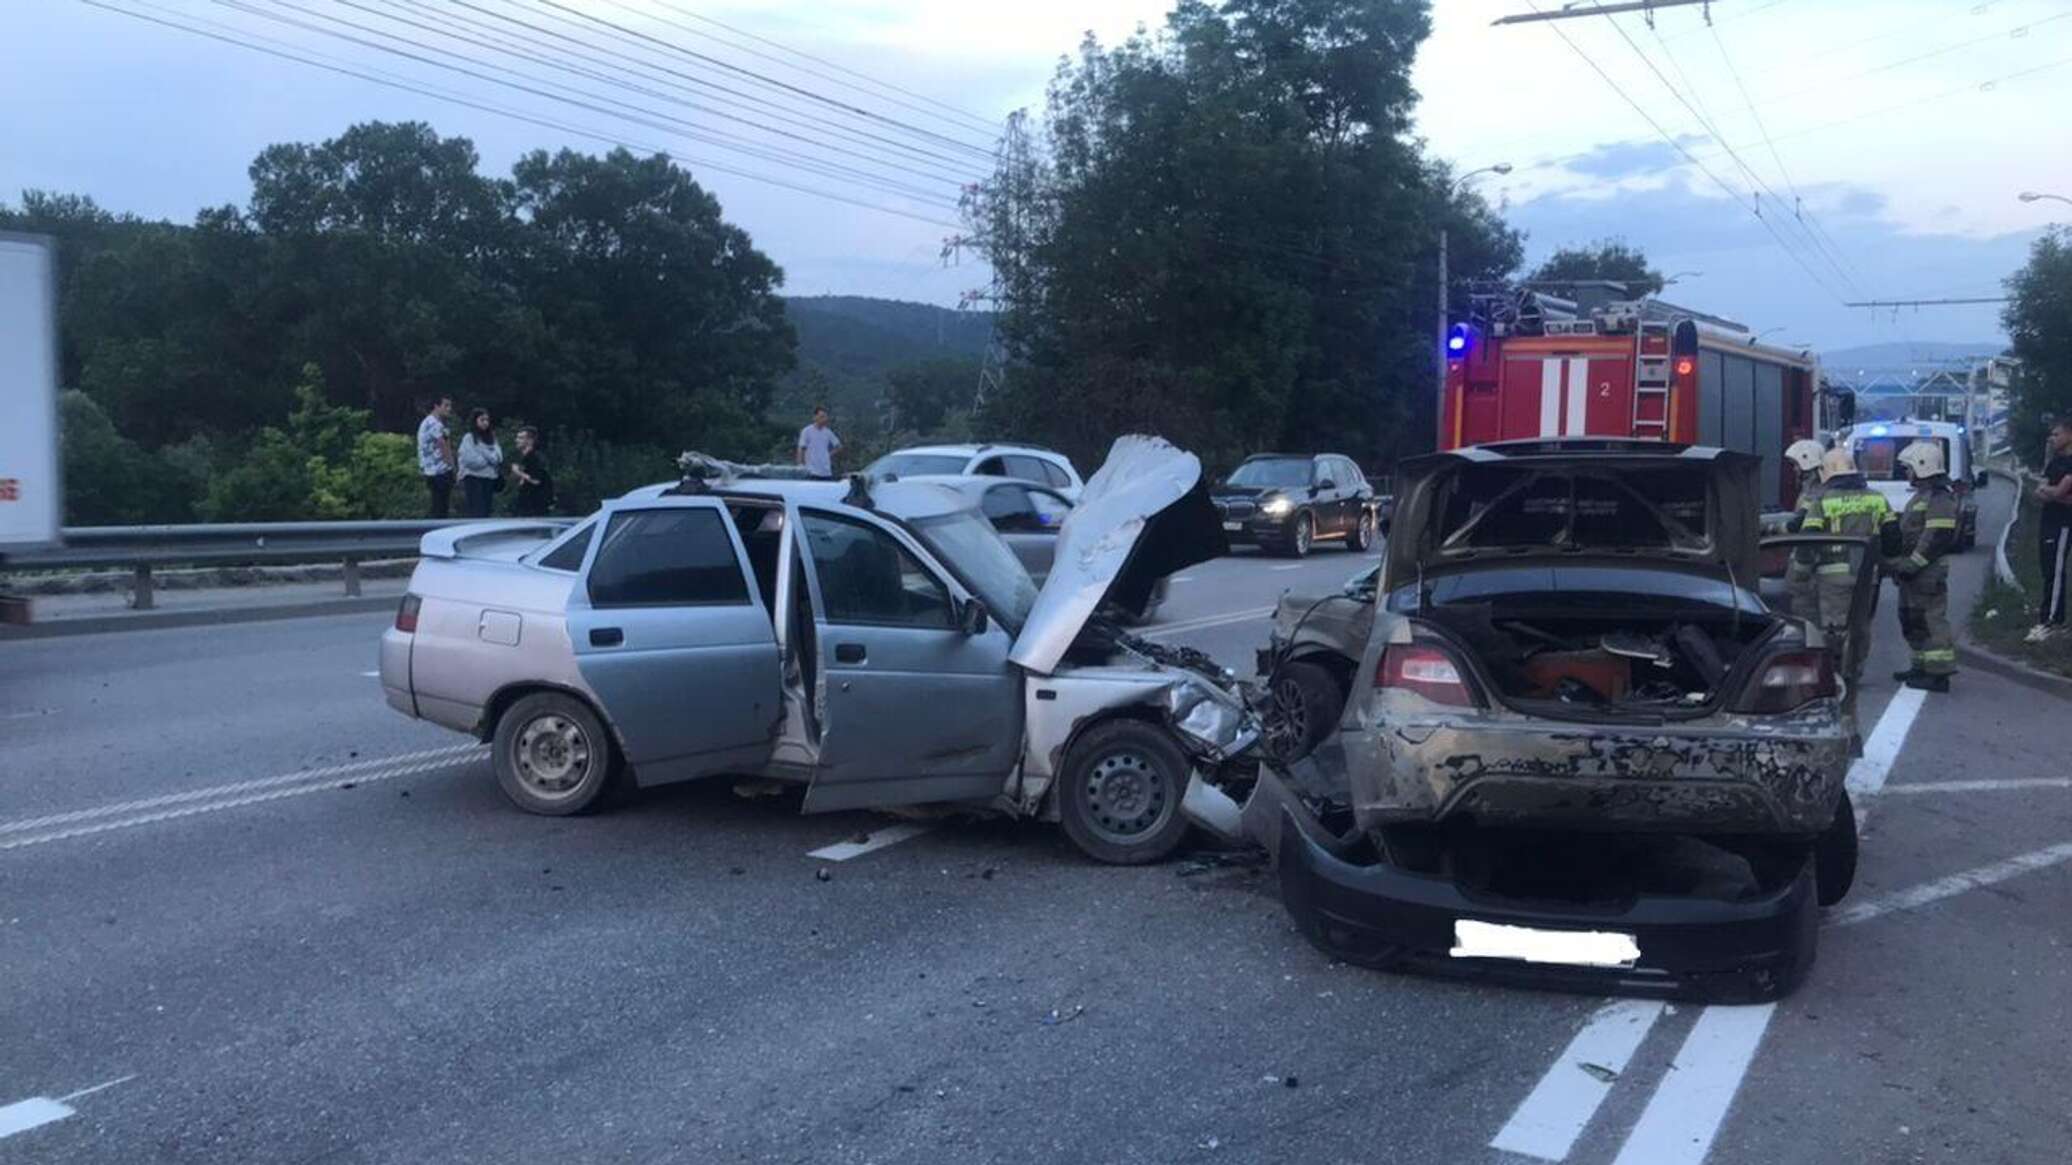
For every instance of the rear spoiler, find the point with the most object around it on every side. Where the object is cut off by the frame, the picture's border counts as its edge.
(485, 539)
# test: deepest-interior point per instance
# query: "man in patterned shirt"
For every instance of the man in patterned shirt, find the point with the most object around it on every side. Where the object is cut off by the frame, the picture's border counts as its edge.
(435, 454)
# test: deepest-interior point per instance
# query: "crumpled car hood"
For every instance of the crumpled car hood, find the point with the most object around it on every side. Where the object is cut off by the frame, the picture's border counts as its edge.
(1145, 514)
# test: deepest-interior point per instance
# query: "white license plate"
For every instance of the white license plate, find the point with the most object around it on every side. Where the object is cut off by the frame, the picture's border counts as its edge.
(1233, 525)
(1569, 948)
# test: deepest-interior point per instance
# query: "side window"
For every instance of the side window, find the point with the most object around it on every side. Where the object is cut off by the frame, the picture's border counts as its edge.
(1349, 475)
(990, 467)
(1007, 507)
(1025, 468)
(1321, 470)
(569, 555)
(1055, 474)
(867, 577)
(1049, 508)
(652, 558)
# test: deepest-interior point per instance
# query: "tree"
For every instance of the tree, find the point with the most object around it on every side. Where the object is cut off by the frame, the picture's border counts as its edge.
(1228, 235)
(1612, 259)
(923, 394)
(2038, 319)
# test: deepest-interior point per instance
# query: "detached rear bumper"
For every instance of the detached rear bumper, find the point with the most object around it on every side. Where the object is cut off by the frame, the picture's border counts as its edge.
(1698, 948)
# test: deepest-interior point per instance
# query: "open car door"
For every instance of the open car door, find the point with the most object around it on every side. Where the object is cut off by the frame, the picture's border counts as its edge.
(669, 630)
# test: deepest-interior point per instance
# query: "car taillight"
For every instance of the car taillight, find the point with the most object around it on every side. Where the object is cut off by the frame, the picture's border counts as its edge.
(1426, 670)
(1789, 680)
(406, 613)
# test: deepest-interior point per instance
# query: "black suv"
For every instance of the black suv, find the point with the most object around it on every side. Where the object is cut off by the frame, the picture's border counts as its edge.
(1288, 502)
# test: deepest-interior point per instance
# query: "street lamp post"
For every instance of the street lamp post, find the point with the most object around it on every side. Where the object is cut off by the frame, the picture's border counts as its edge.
(1439, 336)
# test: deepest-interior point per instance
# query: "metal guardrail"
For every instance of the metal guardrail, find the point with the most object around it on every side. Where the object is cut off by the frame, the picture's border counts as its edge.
(141, 549)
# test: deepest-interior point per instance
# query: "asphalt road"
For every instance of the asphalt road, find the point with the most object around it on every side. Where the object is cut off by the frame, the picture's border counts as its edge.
(248, 913)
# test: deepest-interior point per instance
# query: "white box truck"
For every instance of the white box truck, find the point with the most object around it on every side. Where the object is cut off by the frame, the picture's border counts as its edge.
(31, 493)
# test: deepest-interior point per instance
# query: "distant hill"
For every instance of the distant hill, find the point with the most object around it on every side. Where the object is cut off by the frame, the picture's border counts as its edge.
(847, 343)
(1899, 358)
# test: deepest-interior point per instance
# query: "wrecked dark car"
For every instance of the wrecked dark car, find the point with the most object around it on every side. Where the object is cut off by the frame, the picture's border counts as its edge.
(1559, 735)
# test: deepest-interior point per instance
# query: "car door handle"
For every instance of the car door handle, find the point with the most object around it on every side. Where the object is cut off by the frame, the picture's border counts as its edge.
(606, 636)
(849, 653)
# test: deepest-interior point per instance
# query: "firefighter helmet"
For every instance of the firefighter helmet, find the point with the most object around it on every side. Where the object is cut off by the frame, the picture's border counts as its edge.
(1804, 453)
(1837, 462)
(1922, 459)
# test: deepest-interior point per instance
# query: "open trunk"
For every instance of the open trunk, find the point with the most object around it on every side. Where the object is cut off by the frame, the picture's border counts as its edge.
(1623, 665)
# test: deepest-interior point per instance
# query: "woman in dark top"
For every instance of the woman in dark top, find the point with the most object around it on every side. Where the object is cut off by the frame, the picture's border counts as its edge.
(535, 485)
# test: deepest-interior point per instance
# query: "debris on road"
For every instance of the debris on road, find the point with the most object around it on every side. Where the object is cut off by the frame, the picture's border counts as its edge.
(1603, 1074)
(1057, 1017)
(824, 874)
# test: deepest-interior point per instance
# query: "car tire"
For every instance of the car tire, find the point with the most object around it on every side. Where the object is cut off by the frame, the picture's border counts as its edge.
(1307, 701)
(1362, 535)
(1119, 793)
(552, 756)
(1302, 534)
(1834, 854)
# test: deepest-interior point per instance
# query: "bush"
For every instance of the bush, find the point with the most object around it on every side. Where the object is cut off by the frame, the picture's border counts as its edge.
(587, 471)
(379, 479)
(112, 481)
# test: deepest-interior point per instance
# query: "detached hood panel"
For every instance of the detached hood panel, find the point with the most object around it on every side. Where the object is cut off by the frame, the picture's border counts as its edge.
(1145, 514)
(1522, 501)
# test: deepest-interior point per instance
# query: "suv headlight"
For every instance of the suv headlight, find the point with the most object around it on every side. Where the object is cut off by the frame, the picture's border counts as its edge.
(1276, 507)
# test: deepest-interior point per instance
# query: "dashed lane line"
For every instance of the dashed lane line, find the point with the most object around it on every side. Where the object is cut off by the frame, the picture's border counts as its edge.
(1996, 786)
(1868, 772)
(334, 780)
(1684, 1115)
(877, 839)
(1973, 879)
(1205, 621)
(37, 1111)
(1561, 1105)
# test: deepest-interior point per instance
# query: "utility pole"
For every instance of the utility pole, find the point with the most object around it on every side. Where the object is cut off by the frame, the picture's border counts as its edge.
(1578, 10)
(1453, 190)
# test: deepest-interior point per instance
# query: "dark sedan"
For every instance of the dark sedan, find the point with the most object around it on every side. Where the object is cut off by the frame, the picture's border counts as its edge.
(1287, 503)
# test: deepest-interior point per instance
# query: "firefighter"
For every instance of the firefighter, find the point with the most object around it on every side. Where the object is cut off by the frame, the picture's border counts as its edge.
(1798, 576)
(1847, 506)
(1928, 532)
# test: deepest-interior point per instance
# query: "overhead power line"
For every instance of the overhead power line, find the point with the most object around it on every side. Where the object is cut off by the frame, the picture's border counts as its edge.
(949, 113)
(1927, 302)
(582, 99)
(392, 82)
(1679, 147)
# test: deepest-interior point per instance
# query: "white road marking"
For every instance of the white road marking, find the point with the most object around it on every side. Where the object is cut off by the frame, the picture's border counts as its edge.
(448, 755)
(1977, 786)
(1206, 621)
(1560, 1106)
(37, 1111)
(376, 674)
(1867, 774)
(1958, 883)
(878, 839)
(333, 781)
(1288, 566)
(28, 714)
(1684, 1115)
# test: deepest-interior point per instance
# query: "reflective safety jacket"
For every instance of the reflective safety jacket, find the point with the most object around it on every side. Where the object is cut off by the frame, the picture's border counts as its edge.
(1810, 489)
(1928, 527)
(1848, 505)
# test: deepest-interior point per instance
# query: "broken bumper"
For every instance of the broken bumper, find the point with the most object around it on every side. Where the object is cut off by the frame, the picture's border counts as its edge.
(1700, 948)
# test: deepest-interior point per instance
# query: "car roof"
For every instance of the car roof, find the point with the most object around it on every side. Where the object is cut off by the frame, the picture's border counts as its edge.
(973, 448)
(969, 484)
(905, 498)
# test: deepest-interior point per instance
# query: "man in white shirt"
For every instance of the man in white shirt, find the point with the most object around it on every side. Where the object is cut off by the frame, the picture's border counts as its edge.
(435, 454)
(817, 445)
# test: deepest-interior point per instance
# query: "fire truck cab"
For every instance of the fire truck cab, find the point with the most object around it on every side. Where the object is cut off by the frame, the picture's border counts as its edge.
(1602, 365)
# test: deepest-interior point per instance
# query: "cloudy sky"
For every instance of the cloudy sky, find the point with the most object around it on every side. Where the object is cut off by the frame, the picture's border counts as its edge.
(1844, 149)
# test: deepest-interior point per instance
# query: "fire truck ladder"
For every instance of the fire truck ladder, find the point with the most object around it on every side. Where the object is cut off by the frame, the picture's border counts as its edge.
(1651, 380)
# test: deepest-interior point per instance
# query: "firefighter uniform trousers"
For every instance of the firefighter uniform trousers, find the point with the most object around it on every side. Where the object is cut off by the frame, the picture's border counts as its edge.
(1928, 531)
(1857, 510)
(1798, 576)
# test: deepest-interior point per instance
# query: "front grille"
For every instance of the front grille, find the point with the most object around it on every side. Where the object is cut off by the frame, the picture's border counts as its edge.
(1238, 511)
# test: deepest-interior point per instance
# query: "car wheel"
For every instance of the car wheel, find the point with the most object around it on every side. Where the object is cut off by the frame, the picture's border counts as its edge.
(1119, 793)
(1306, 706)
(1301, 536)
(552, 755)
(1834, 854)
(1363, 534)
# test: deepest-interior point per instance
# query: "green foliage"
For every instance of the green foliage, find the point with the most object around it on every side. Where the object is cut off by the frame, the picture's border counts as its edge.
(849, 345)
(923, 395)
(1227, 234)
(2038, 318)
(587, 470)
(377, 479)
(1611, 259)
(112, 481)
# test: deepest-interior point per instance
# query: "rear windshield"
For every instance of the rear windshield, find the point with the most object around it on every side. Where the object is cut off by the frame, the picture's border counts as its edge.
(1878, 457)
(915, 464)
(1495, 507)
(1274, 473)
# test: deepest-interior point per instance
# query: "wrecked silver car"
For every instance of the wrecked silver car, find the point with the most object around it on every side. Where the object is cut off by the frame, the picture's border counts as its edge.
(875, 642)
(1562, 707)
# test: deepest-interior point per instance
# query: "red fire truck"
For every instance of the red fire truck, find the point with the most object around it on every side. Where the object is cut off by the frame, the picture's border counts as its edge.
(1602, 365)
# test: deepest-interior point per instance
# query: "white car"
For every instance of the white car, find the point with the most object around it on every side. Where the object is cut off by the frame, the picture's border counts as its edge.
(1876, 446)
(1033, 463)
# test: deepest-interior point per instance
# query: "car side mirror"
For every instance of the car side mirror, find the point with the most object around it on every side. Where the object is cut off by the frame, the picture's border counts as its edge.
(971, 617)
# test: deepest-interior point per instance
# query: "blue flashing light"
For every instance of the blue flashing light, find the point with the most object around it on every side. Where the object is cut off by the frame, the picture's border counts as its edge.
(1879, 431)
(1456, 343)
(1458, 338)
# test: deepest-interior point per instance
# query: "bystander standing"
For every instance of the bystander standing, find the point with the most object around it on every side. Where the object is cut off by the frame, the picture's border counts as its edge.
(818, 445)
(2054, 531)
(435, 454)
